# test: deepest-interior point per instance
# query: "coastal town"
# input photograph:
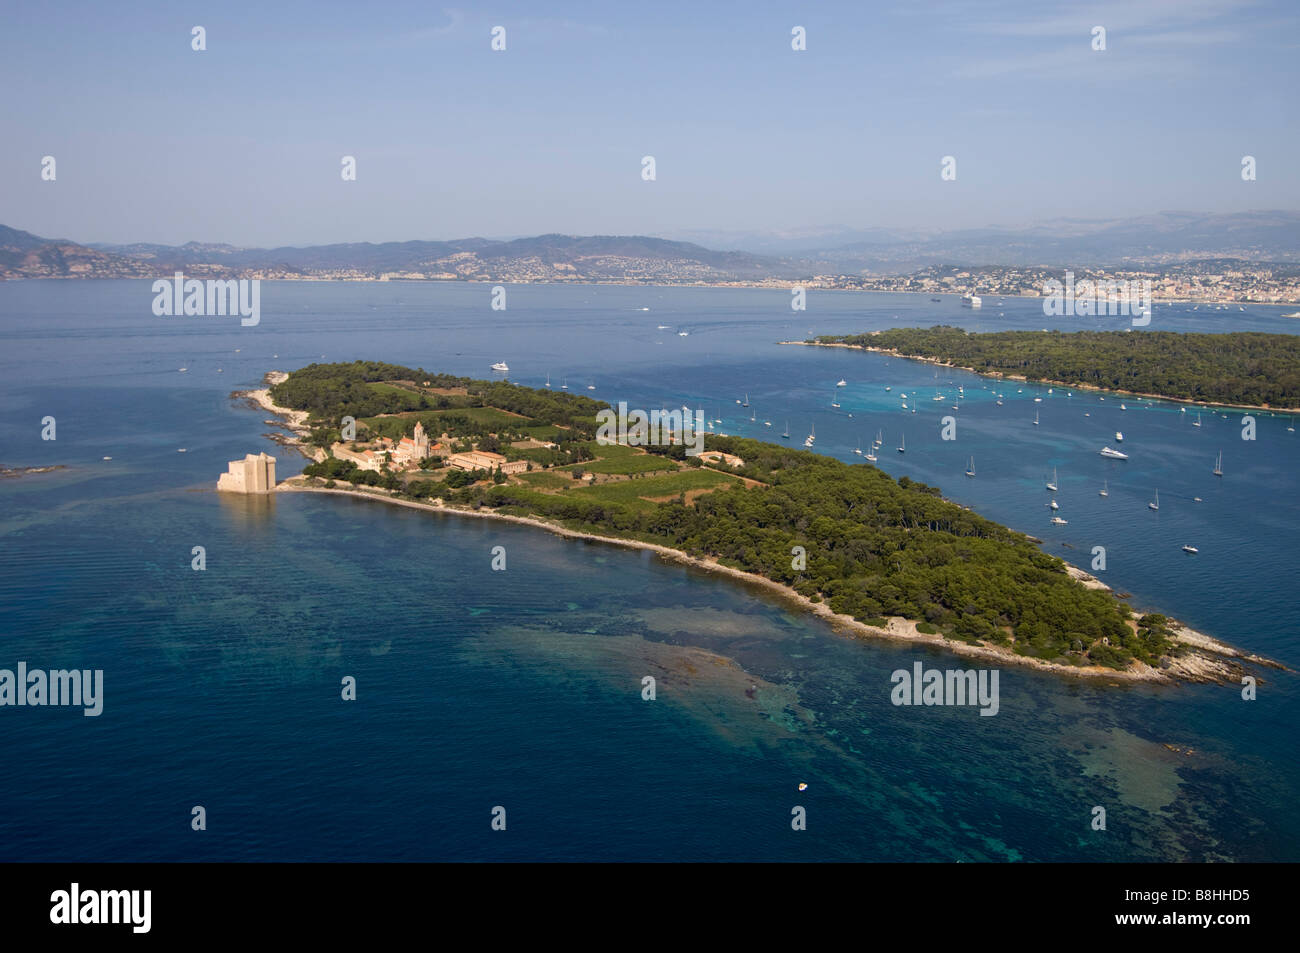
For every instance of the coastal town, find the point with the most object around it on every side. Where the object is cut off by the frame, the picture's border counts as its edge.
(1216, 283)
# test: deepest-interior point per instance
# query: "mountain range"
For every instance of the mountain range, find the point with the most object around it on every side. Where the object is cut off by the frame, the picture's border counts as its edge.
(1163, 238)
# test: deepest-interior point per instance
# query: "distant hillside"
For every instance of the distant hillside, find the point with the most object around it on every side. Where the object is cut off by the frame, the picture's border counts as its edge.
(543, 258)
(1166, 239)
(24, 255)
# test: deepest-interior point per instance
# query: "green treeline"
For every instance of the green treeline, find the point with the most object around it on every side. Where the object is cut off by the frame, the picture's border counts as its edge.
(1237, 368)
(332, 391)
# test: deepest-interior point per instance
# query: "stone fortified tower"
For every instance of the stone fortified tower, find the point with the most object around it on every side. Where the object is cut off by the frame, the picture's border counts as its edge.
(253, 474)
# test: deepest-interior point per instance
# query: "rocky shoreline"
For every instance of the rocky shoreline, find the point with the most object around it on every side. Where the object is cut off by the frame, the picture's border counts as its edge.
(1204, 659)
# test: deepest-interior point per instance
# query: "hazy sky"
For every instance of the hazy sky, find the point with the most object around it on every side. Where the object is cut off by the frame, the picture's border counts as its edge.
(243, 142)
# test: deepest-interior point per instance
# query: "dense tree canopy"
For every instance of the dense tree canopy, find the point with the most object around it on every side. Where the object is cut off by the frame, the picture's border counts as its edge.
(332, 391)
(1238, 368)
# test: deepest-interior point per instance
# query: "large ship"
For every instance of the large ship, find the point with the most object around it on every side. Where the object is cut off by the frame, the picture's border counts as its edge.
(971, 301)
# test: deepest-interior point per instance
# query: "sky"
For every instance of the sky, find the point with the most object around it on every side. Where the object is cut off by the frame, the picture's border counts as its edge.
(243, 141)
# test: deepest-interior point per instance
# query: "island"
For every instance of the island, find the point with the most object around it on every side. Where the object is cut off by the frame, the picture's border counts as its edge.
(878, 556)
(24, 471)
(1239, 369)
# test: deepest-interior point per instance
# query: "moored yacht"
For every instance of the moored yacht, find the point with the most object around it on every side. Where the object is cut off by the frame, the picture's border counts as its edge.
(1112, 454)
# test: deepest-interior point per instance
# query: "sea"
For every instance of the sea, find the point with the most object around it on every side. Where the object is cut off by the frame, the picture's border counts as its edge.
(503, 714)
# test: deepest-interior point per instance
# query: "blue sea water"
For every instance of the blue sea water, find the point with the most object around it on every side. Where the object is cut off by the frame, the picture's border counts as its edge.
(522, 689)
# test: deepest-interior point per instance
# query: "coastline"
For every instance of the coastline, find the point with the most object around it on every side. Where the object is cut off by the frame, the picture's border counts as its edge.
(296, 420)
(1205, 659)
(1045, 382)
(1208, 659)
(773, 284)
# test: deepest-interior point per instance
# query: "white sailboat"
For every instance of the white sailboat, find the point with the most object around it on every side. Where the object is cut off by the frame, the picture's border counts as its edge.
(1035, 418)
(1155, 504)
(785, 434)
(970, 470)
(812, 436)
(1218, 465)
(858, 451)
(1052, 485)
(1105, 489)
(548, 380)
(1197, 421)
(902, 444)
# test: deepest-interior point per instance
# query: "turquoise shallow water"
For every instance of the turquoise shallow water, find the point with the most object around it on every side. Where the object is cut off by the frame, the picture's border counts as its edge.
(522, 689)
